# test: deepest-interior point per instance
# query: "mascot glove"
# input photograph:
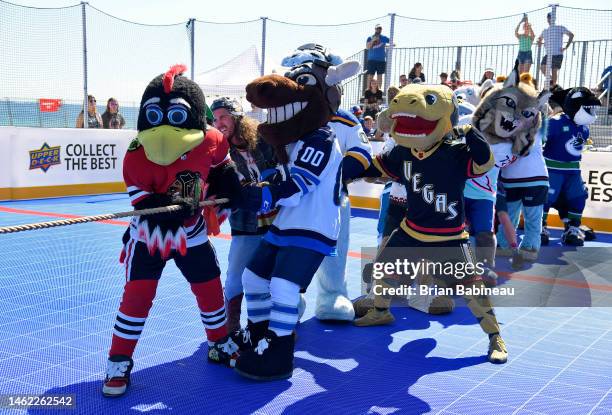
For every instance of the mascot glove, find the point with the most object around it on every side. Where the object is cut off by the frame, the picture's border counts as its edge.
(257, 198)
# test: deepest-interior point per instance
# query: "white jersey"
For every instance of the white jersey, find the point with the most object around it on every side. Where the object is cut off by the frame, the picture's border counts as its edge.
(485, 187)
(351, 138)
(309, 195)
(529, 170)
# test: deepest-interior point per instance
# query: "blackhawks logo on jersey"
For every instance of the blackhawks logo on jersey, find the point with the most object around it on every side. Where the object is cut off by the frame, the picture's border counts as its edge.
(186, 185)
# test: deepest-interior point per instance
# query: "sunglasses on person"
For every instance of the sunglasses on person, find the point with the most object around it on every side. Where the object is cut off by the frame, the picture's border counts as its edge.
(114, 104)
(92, 101)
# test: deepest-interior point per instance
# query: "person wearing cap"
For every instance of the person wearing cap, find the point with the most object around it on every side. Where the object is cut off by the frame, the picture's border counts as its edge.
(553, 44)
(377, 54)
(489, 73)
(358, 112)
(253, 158)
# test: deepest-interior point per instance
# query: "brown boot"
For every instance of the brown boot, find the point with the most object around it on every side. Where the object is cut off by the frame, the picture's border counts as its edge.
(498, 353)
(233, 313)
(362, 305)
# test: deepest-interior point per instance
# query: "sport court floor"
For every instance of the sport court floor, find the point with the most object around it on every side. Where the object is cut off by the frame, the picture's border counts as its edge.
(60, 289)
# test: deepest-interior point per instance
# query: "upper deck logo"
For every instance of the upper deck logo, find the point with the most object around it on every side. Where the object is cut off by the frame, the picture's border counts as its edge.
(44, 157)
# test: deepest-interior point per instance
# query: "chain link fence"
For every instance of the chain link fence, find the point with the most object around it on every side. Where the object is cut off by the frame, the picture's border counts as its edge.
(63, 54)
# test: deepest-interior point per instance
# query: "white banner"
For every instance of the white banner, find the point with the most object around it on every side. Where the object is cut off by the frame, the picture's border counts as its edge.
(596, 173)
(61, 156)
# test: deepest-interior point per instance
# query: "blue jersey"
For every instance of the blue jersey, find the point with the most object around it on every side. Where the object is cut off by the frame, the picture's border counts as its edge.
(377, 52)
(565, 140)
(308, 195)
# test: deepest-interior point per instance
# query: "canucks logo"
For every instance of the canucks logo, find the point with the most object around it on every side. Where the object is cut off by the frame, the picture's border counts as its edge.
(574, 145)
(44, 157)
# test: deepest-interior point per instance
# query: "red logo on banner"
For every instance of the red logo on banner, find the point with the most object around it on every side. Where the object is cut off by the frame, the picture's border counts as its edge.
(49, 104)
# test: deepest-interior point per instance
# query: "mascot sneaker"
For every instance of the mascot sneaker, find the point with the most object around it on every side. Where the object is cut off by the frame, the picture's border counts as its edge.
(336, 308)
(117, 375)
(375, 317)
(271, 359)
(589, 233)
(545, 236)
(441, 305)
(504, 252)
(529, 254)
(248, 337)
(573, 236)
(225, 351)
(517, 260)
(362, 305)
(497, 350)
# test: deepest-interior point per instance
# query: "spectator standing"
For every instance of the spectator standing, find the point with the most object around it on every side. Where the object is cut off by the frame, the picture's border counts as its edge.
(111, 117)
(525, 57)
(377, 54)
(94, 120)
(417, 72)
(553, 44)
(372, 99)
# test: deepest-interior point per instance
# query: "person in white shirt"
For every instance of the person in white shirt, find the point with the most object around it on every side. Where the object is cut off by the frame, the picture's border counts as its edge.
(553, 44)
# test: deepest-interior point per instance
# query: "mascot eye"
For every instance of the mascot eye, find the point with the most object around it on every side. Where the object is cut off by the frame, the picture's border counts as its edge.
(510, 102)
(527, 114)
(306, 79)
(430, 99)
(154, 114)
(177, 115)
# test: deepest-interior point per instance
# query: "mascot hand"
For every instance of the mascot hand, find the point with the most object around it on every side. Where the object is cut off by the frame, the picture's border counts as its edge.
(384, 122)
(257, 198)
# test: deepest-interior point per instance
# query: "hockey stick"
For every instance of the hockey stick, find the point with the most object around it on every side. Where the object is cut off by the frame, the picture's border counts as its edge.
(96, 218)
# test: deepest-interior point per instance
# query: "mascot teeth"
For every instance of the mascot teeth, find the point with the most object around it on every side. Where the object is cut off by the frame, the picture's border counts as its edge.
(284, 112)
(506, 124)
(403, 114)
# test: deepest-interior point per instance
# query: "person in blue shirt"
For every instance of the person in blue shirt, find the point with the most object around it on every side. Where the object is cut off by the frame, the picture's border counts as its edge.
(567, 134)
(377, 54)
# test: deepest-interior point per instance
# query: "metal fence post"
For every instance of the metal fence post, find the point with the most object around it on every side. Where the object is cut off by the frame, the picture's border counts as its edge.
(264, 21)
(553, 20)
(585, 47)
(191, 26)
(84, 25)
(9, 111)
(458, 62)
(389, 54)
(537, 65)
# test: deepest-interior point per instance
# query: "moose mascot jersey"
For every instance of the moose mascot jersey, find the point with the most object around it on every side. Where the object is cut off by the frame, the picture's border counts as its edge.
(332, 298)
(299, 104)
(169, 163)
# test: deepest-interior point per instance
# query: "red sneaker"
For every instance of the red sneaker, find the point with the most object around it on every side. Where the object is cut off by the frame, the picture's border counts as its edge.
(117, 375)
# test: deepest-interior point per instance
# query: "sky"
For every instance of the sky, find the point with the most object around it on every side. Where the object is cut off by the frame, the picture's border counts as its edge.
(122, 56)
(317, 11)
